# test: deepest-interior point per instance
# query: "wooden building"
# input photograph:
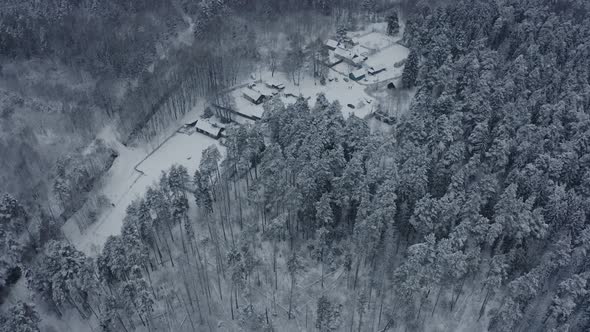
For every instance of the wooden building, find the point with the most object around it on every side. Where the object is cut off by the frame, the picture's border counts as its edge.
(209, 129)
(357, 75)
(331, 44)
(275, 85)
(376, 69)
(253, 96)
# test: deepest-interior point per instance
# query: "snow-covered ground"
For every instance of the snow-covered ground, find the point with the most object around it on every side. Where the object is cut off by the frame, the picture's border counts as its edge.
(137, 168)
(387, 57)
(244, 105)
(345, 92)
(380, 27)
(375, 40)
(123, 183)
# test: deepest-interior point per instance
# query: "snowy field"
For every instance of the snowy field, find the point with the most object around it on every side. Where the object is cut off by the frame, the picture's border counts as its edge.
(388, 57)
(123, 183)
(181, 149)
(375, 40)
(380, 27)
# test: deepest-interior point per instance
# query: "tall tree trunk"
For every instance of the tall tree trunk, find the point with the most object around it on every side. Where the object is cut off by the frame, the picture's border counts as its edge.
(291, 295)
(231, 305)
(437, 298)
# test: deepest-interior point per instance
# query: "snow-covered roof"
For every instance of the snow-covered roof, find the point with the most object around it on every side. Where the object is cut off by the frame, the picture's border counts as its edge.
(343, 53)
(331, 43)
(191, 123)
(254, 112)
(358, 73)
(377, 67)
(265, 91)
(252, 94)
(358, 60)
(207, 127)
(275, 84)
(216, 123)
(333, 60)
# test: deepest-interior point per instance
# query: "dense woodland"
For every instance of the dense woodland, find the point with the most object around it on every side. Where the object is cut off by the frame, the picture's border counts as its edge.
(471, 215)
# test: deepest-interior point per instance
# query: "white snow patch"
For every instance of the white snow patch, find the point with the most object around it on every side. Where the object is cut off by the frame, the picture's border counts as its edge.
(387, 57)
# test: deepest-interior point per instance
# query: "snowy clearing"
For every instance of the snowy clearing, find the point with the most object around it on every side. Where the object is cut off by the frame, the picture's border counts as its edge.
(123, 183)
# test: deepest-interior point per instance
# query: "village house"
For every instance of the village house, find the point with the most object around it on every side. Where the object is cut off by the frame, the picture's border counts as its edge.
(187, 128)
(275, 85)
(349, 57)
(376, 69)
(331, 44)
(358, 60)
(357, 75)
(333, 60)
(206, 128)
(343, 54)
(252, 113)
(253, 96)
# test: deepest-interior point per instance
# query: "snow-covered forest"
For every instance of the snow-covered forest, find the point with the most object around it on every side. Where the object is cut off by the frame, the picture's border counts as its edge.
(290, 165)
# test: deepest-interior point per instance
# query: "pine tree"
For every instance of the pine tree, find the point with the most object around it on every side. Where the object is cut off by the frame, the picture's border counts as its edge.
(342, 34)
(137, 298)
(14, 223)
(325, 6)
(208, 113)
(65, 276)
(110, 318)
(112, 262)
(202, 193)
(369, 6)
(209, 165)
(274, 232)
(569, 296)
(392, 24)
(21, 317)
(178, 180)
(294, 266)
(327, 316)
(410, 73)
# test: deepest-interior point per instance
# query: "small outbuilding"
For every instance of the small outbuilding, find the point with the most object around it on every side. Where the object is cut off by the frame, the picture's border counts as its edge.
(390, 86)
(275, 85)
(358, 60)
(253, 96)
(333, 60)
(357, 75)
(206, 128)
(343, 54)
(187, 128)
(349, 57)
(376, 69)
(331, 44)
(385, 118)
